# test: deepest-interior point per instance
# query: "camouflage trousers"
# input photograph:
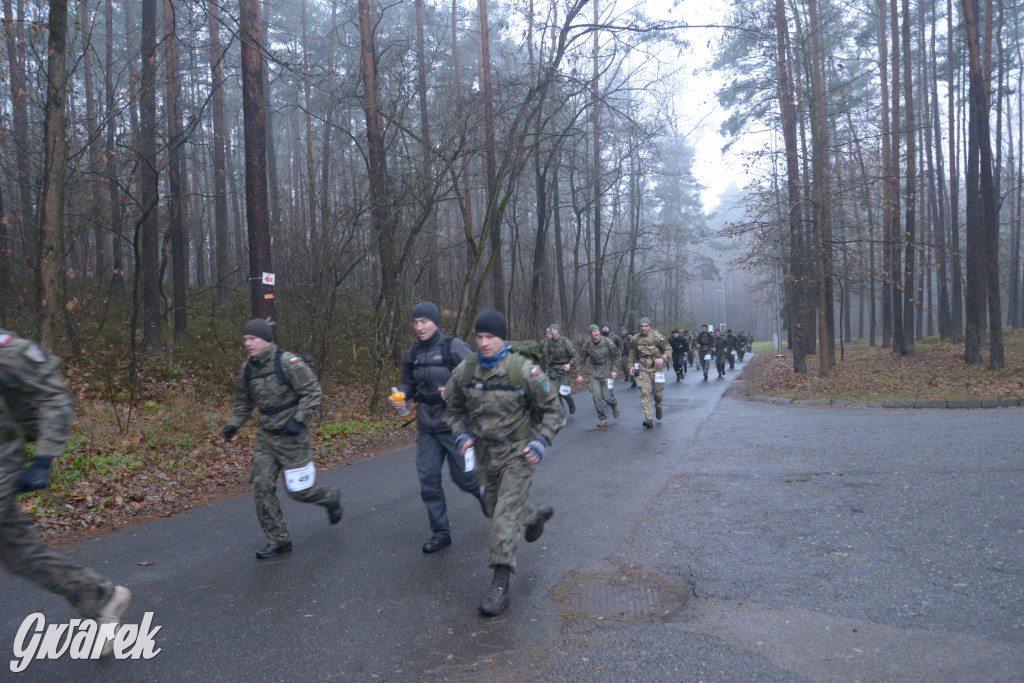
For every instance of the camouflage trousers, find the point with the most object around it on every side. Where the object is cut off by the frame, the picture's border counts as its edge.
(559, 378)
(602, 394)
(24, 554)
(273, 454)
(645, 380)
(506, 476)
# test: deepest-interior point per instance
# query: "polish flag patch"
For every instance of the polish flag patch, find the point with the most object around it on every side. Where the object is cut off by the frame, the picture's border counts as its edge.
(295, 360)
(5, 339)
(535, 371)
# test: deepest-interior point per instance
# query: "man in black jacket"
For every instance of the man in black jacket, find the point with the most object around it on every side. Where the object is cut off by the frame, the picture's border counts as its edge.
(425, 372)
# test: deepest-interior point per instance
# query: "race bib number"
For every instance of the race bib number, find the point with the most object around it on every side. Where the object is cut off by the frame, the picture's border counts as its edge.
(659, 377)
(565, 390)
(707, 356)
(733, 353)
(611, 383)
(636, 366)
(300, 478)
(470, 459)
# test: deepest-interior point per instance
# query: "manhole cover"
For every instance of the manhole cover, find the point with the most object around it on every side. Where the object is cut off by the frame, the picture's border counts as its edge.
(612, 593)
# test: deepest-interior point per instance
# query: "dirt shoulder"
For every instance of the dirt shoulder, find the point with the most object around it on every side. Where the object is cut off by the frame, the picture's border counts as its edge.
(936, 371)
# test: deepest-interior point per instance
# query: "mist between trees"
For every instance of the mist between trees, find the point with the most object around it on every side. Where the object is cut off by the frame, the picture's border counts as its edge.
(888, 199)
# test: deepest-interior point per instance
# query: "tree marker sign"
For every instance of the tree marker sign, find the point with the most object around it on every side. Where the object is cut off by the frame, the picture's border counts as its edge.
(268, 279)
(268, 296)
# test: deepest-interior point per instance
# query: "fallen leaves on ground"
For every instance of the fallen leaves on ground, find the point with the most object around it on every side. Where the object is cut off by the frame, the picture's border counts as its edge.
(936, 370)
(149, 479)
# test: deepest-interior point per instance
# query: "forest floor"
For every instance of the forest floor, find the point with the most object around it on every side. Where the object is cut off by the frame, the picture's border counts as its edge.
(936, 370)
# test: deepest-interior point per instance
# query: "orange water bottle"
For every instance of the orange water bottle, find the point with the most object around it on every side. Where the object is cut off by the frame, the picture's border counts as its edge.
(403, 407)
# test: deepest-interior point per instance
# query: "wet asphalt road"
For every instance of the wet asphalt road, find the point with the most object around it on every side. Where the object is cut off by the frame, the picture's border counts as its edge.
(735, 541)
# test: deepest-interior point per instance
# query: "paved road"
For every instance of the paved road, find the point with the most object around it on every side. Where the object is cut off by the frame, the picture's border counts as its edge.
(735, 541)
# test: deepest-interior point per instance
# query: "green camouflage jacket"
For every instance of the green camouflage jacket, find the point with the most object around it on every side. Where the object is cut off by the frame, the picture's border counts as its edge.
(558, 352)
(496, 414)
(294, 393)
(603, 357)
(647, 347)
(36, 404)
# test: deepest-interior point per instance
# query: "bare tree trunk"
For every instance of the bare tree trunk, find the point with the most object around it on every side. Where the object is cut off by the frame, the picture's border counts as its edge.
(257, 221)
(980, 200)
(51, 219)
(957, 299)
(910, 189)
(325, 171)
(113, 191)
(433, 275)
(556, 208)
(148, 184)
(788, 110)
(310, 162)
(274, 218)
(175, 203)
(822, 209)
(939, 183)
(220, 196)
(491, 221)
(19, 114)
(887, 172)
(93, 127)
(895, 233)
(595, 112)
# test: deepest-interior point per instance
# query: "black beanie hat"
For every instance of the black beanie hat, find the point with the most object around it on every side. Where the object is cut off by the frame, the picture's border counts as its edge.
(258, 327)
(427, 309)
(492, 322)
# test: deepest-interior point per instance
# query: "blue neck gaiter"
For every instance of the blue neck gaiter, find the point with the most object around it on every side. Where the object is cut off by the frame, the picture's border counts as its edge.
(488, 363)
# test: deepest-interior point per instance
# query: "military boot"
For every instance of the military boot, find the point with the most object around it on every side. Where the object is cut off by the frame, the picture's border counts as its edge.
(603, 422)
(334, 510)
(271, 549)
(615, 411)
(657, 412)
(496, 600)
(571, 404)
(534, 531)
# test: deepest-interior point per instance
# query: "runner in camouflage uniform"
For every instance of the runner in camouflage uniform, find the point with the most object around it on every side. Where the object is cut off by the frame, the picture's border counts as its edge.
(286, 392)
(490, 411)
(559, 353)
(35, 406)
(722, 353)
(653, 354)
(603, 356)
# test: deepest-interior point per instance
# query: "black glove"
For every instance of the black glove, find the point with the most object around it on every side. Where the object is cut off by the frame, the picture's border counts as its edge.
(36, 476)
(229, 432)
(538, 446)
(293, 427)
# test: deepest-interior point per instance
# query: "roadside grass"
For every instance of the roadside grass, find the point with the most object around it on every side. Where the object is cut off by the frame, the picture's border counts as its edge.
(936, 370)
(763, 347)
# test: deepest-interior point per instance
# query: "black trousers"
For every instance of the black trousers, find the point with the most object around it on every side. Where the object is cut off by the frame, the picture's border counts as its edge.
(431, 452)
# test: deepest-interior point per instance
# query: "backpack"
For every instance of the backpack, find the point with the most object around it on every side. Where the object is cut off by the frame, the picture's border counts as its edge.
(282, 378)
(531, 351)
(446, 355)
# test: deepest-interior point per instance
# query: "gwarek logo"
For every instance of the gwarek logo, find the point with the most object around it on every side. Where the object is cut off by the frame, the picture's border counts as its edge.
(81, 639)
